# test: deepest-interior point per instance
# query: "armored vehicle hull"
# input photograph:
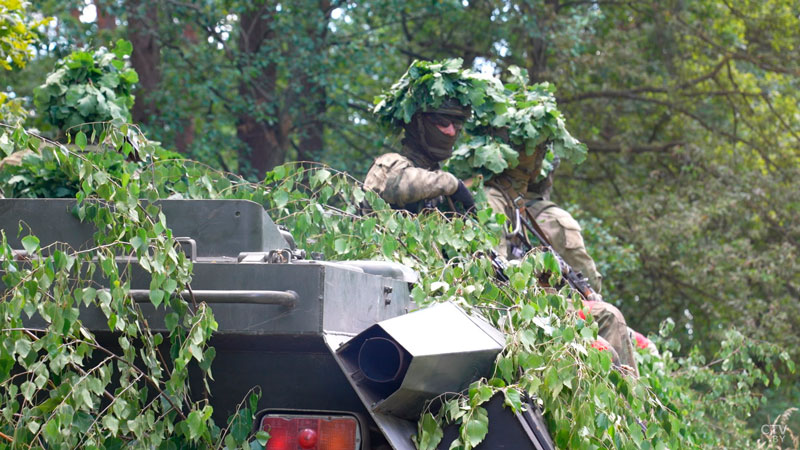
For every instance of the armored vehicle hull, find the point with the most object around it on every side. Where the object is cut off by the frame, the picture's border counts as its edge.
(296, 328)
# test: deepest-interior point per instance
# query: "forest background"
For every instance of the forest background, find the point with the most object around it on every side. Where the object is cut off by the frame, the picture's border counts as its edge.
(689, 111)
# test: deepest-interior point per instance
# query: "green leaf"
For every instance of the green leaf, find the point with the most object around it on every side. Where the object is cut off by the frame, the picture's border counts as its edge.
(123, 48)
(30, 244)
(156, 297)
(22, 347)
(138, 243)
(262, 437)
(80, 140)
(512, 399)
(195, 424)
(551, 263)
(340, 245)
(86, 106)
(111, 423)
(280, 197)
(476, 427)
(429, 433)
(171, 321)
(528, 312)
(27, 389)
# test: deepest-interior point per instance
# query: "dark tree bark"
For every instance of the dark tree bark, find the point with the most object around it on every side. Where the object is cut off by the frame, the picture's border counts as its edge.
(315, 104)
(184, 136)
(266, 142)
(146, 56)
(105, 21)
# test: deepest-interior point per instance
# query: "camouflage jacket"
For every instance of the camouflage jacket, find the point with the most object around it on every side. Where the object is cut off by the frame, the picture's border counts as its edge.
(510, 246)
(400, 182)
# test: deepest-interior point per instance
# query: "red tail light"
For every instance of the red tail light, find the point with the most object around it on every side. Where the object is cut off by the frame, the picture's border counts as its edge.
(296, 432)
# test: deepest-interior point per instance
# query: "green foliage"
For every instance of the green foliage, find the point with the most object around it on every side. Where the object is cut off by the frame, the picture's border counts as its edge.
(17, 36)
(12, 110)
(680, 402)
(62, 387)
(88, 88)
(17, 33)
(485, 155)
(424, 86)
(688, 109)
(615, 259)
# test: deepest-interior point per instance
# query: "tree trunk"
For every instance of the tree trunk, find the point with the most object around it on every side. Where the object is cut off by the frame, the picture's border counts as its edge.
(538, 42)
(266, 143)
(105, 21)
(315, 104)
(146, 56)
(184, 135)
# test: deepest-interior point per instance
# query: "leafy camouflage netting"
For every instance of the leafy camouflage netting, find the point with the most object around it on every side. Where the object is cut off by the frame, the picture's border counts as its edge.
(424, 86)
(518, 116)
(88, 87)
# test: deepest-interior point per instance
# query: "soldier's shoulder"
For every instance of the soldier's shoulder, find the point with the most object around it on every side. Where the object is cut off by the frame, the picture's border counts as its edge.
(383, 166)
(563, 217)
(497, 201)
(492, 191)
(392, 160)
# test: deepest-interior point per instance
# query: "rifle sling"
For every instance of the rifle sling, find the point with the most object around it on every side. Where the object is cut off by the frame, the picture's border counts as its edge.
(518, 202)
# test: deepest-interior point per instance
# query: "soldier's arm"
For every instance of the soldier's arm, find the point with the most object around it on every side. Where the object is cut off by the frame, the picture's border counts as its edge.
(412, 184)
(398, 182)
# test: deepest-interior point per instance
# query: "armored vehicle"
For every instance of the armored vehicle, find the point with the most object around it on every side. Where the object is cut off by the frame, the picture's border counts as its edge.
(343, 361)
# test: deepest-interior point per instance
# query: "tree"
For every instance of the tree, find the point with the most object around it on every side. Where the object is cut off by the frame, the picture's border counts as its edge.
(17, 35)
(689, 111)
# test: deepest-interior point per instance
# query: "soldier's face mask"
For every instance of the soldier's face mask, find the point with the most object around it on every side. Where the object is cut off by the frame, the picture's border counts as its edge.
(446, 124)
(440, 132)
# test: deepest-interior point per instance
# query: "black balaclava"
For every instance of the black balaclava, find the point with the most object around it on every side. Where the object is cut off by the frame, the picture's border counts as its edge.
(425, 144)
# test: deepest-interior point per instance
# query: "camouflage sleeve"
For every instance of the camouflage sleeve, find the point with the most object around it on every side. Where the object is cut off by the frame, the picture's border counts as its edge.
(398, 182)
(498, 203)
(564, 233)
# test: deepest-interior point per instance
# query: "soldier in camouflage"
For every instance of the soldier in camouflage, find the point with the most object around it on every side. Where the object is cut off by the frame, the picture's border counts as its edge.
(564, 234)
(515, 188)
(504, 190)
(412, 179)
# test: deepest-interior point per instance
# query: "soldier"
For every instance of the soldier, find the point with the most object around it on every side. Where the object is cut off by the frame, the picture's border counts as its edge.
(412, 179)
(504, 192)
(564, 234)
(430, 103)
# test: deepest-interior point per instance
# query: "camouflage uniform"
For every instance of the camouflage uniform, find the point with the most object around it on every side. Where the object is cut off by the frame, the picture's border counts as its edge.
(612, 327)
(499, 204)
(408, 179)
(401, 182)
(564, 234)
(501, 191)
